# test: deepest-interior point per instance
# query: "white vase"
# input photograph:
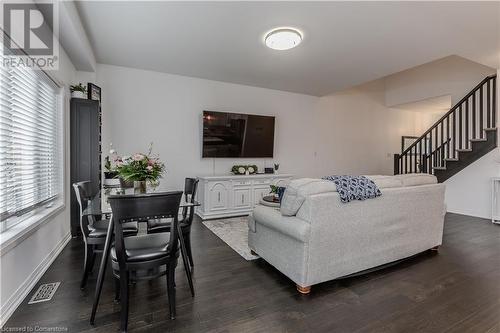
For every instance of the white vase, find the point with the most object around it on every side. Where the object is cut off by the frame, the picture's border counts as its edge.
(78, 94)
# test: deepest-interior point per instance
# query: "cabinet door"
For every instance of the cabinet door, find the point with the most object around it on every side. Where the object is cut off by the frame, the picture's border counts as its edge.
(218, 193)
(259, 193)
(241, 199)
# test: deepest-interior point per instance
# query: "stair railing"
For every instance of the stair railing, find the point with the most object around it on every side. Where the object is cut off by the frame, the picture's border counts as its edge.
(452, 133)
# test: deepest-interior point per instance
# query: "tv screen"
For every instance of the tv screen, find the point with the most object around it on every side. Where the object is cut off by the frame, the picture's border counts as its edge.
(237, 135)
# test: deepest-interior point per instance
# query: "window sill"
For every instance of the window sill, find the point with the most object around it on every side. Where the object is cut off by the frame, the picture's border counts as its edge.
(15, 235)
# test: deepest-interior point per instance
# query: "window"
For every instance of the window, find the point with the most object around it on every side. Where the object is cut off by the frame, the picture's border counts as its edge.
(30, 143)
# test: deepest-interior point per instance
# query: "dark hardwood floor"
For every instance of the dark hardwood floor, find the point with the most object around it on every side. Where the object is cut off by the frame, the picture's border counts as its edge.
(455, 290)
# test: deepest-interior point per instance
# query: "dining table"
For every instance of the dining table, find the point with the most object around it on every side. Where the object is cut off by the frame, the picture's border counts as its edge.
(99, 205)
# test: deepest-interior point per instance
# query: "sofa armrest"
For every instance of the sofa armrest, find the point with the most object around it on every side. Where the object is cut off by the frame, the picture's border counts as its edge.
(291, 226)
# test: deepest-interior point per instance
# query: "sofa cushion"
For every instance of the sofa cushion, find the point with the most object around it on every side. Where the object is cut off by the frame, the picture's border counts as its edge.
(385, 181)
(415, 179)
(297, 191)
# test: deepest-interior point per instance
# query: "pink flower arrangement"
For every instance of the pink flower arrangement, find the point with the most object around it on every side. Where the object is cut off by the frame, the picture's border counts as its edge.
(140, 167)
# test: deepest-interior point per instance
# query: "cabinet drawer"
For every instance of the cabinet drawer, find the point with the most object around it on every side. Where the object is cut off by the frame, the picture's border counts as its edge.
(261, 181)
(242, 182)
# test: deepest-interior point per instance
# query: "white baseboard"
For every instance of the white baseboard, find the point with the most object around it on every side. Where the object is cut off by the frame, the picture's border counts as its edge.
(24, 289)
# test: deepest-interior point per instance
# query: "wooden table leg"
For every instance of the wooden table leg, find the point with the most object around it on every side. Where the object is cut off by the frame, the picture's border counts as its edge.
(102, 269)
(185, 259)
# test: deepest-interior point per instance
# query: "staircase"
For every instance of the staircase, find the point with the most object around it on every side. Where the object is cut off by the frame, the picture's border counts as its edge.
(464, 134)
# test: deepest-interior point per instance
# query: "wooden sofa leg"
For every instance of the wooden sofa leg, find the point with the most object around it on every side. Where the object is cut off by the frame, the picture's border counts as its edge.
(435, 248)
(303, 290)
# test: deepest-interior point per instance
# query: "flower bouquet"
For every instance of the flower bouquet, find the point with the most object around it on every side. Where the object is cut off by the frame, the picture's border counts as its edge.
(140, 168)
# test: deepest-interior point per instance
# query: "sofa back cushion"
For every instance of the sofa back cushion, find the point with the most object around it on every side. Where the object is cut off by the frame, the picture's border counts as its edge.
(297, 191)
(416, 179)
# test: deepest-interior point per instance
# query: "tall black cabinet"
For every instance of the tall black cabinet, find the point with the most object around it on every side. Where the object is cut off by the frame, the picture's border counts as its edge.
(85, 150)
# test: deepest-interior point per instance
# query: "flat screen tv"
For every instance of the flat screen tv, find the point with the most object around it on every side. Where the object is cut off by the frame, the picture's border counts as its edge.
(237, 135)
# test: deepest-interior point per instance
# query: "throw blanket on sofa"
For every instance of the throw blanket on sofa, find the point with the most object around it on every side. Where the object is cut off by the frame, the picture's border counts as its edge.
(354, 187)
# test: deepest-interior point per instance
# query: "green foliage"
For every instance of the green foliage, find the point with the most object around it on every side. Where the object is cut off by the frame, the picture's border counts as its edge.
(78, 87)
(140, 167)
(107, 164)
(274, 189)
(241, 169)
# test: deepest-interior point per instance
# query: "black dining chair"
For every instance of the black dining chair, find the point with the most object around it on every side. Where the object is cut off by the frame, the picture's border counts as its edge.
(156, 226)
(144, 257)
(93, 230)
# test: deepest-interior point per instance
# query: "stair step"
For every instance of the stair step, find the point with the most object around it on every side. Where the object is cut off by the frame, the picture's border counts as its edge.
(464, 150)
(490, 129)
(478, 140)
(451, 159)
(439, 168)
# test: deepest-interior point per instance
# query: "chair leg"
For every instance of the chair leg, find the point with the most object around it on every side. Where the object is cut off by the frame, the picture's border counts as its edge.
(92, 261)
(124, 300)
(187, 242)
(171, 289)
(87, 265)
(117, 290)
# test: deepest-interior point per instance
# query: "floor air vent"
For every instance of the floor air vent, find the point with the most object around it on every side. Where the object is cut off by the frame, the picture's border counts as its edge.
(44, 293)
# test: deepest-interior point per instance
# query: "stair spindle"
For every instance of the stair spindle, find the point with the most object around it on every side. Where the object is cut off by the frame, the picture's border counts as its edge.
(460, 127)
(473, 116)
(481, 113)
(442, 144)
(488, 104)
(448, 136)
(494, 104)
(420, 156)
(466, 129)
(454, 133)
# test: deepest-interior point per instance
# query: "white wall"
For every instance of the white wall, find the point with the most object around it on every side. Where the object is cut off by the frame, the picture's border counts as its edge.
(22, 265)
(469, 191)
(350, 132)
(452, 75)
(140, 107)
(358, 134)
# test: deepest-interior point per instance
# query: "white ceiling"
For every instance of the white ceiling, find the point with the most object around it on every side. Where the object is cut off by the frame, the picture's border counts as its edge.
(345, 43)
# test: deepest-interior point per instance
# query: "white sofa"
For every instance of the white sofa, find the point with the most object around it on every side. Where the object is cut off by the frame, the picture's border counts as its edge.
(327, 239)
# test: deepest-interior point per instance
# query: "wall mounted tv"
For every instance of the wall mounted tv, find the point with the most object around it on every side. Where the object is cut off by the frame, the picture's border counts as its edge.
(237, 135)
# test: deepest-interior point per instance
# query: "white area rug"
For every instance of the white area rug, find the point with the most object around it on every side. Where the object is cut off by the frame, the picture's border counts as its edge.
(234, 232)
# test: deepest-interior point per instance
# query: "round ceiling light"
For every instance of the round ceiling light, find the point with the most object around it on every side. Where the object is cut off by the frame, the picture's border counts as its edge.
(283, 38)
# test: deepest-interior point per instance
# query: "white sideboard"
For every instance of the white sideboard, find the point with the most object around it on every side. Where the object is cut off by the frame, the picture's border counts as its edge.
(232, 195)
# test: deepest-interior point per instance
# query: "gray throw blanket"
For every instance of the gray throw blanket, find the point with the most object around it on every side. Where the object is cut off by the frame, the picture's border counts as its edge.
(354, 187)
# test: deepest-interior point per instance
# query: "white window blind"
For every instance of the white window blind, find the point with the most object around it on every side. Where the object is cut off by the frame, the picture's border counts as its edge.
(30, 143)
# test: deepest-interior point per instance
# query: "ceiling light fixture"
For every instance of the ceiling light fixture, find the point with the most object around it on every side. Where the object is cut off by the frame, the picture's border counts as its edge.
(283, 38)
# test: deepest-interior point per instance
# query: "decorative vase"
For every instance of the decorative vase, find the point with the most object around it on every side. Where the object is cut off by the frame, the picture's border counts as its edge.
(126, 183)
(78, 94)
(139, 186)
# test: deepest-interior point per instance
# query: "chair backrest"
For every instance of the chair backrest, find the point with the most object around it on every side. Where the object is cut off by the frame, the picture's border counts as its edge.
(190, 188)
(82, 194)
(137, 207)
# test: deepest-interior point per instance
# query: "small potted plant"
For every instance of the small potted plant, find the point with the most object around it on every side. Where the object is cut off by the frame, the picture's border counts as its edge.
(276, 167)
(141, 169)
(78, 91)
